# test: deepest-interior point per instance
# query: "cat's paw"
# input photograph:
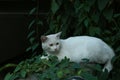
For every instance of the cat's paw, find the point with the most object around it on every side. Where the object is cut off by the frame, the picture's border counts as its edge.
(44, 57)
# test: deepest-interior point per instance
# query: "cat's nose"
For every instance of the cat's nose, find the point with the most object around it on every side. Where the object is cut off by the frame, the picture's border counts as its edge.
(55, 49)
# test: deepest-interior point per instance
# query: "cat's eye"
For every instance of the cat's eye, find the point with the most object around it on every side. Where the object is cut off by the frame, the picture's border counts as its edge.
(51, 44)
(57, 43)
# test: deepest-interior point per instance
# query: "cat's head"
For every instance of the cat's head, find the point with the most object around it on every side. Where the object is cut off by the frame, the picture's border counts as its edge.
(51, 43)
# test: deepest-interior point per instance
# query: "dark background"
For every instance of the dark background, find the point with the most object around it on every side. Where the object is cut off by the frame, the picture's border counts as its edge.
(13, 27)
(14, 20)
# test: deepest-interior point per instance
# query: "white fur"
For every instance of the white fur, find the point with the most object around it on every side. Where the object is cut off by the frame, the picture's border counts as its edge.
(78, 48)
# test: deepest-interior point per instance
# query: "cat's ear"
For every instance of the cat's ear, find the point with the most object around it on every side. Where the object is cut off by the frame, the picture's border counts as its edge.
(43, 38)
(58, 34)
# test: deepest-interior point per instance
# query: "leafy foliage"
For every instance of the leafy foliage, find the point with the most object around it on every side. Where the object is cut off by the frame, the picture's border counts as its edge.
(82, 17)
(51, 69)
(73, 17)
(97, 18)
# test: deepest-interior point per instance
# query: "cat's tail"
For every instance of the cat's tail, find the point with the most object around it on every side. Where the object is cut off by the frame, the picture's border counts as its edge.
(108, 65)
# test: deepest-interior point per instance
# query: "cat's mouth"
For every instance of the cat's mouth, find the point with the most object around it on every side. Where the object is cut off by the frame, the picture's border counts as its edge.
(54, 52)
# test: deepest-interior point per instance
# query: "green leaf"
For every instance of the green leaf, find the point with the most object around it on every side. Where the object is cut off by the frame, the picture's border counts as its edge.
(54, 6)
(59, 2)
(28, 49)
(64, 62)
(116, 15)
(114, 59)
(108, 14)
(79, 72)
(54, 60)
(102, 4)
(11, 76)
(86, 22)
(75, 65)
(30, 34)
(66, 71)
(32, 39)
(60, 74)
(104, 75)
(23, 73)
(7, 66)
(32, 11)
(77, 4)
(87, 7)
(40, 22)
(97, 67)
(81, 18)
(35, 46)
(117, 49)
(17, 68)
(91, 2)
(88, 76)
(8, 76)
(94, 30)
(95, 17)
(30, 25)
(78, 7)
(46, 62)
(58, 18)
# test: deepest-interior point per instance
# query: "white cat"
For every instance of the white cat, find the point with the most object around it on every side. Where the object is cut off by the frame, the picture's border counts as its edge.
(78, 48)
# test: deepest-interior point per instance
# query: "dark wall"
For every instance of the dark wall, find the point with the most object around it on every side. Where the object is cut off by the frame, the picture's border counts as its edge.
(14, 20)
(12, 35)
